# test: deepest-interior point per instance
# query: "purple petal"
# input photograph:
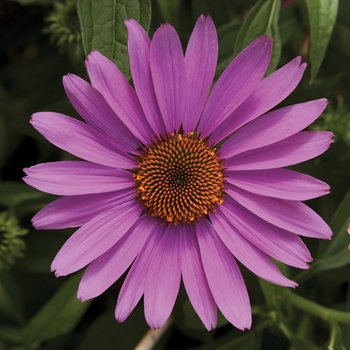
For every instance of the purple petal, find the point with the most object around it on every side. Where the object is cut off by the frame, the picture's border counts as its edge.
(163, 278)
(134, 284)
(295, 149)
(73, 211)
(278, 183)
(106, 269)
(194, 278)
(280, 244)
(270, 92)
(290, 215)
(236, 83)
(74, 177)
(273, 127)
(169, 75)
(80, 140)
(106, 77)
(200, 69)
(249, 255)
(95, 238)
(224, 277)
(90, 104)
(139, 51)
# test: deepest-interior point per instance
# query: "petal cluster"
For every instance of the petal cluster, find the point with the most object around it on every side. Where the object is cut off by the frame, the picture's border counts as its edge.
(261, 216)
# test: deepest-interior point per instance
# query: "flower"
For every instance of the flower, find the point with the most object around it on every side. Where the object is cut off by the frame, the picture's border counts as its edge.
(156, 193)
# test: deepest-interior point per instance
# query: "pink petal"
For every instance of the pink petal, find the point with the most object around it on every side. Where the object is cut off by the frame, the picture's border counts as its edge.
(106, 269)
(134, 284)
(290, 215)
(74, 177)
(278, 183)
(80, 140)
(269, 93)
(168, 73)
(295, 149)
(163, 278)
(236, 83)
(106, 77)
(280, 244)
(95, 238)
(200, 69)
(194, 278)
(90, 104)
(73, 211)
(224, 277)
(139, 51)
(248, 254)
(273, 127)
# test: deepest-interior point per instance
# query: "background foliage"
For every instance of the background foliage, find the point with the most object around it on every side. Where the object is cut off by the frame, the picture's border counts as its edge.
(40, 41)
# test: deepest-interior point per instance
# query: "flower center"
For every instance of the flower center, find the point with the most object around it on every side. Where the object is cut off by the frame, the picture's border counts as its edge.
(180, 179)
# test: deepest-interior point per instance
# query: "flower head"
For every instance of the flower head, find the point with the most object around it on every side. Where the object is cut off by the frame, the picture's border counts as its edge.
(155, 191)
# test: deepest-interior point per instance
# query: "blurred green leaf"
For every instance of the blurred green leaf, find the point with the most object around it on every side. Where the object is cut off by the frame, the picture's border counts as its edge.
(41, 249)
(288, 23)
(106, 333)
(193, 322)
(2, 140)
(14, 193)
(34, 2)
(272, 293)
(248, 341)
(337, 253)
(336, 338)
(221, 14)
(302, 344)
(169, 10)
(322, 16)
(10, 298)
(227, 35)
(58, 316)
(11, 334)
(263, 19)
(103, 28)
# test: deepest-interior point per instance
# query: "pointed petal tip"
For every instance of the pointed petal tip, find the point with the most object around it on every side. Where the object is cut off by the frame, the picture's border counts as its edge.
(92, 55)
(209, 326)
(81, 296)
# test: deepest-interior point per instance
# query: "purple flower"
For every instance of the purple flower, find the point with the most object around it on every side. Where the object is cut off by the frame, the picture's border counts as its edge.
(155, 192)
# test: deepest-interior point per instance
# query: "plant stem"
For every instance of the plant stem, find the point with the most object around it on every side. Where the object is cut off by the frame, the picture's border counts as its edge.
(329, 315)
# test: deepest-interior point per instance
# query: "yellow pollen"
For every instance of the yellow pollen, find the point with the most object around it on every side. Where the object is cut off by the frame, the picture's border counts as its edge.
(179, 179)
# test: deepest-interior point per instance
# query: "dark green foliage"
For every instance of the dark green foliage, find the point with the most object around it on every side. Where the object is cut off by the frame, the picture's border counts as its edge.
(38, 311)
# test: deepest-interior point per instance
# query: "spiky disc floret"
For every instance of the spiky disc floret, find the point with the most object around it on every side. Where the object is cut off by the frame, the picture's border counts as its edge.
(180, 179)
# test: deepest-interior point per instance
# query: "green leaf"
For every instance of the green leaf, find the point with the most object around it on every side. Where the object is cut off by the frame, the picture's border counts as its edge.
(227, 35)
(106, 333)
(337, 253)
(221, 14)
(34, 2)
(248, 341)
(14, 193)
(272, 293)
(322, 16)
(288, 23)
(11, 334)
(2, 140)
(58, 316)
(169, 10)
(10, 298)
(263, 19)
(302, 344)
(41, 250)
(335, 338)
(103, 28)
(193, 322)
